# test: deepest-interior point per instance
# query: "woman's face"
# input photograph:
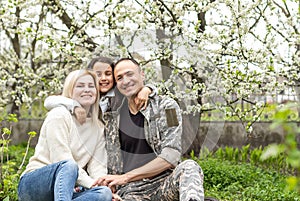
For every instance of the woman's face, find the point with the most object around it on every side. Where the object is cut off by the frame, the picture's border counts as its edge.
(84, 91)
(105, 76)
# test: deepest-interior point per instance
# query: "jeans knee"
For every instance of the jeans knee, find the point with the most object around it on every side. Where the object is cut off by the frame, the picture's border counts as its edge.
(70, 165)
(107, 193)
(104, 193)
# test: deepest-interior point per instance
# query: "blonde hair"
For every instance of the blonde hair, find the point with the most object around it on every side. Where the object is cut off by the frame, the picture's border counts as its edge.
(70, 82)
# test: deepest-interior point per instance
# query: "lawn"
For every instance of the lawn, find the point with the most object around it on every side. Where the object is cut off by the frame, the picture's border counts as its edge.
(230, 174)
(228, 181)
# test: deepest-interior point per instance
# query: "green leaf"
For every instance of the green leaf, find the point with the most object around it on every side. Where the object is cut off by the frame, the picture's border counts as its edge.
(28, 29)
(292, 182)
(32, 133)
(12, 118)
(6, 199)
(272, 150)
(6, 131)
(294, 158)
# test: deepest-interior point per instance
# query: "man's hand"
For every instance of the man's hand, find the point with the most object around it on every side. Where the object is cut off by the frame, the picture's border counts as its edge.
(112, 180)
(141, 99)
(80, 114)
(116, 197)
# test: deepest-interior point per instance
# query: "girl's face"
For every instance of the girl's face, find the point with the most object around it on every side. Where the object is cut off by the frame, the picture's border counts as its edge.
(105, 76)
(84, 91)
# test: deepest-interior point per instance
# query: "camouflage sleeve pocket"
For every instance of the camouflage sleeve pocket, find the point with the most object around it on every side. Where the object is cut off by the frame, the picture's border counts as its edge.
(171, 117)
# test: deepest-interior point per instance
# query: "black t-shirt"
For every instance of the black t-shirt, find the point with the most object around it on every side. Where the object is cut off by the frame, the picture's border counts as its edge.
(135, 150)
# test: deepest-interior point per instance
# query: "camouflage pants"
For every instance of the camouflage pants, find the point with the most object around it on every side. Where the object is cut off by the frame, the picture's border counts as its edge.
(185, 182)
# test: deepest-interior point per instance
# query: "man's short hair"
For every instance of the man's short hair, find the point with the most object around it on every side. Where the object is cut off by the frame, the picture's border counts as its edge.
(128, 59)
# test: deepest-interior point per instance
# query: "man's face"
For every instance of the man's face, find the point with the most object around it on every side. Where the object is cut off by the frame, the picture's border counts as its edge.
(129, 78)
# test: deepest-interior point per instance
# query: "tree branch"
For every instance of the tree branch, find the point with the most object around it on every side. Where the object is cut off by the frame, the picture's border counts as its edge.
(66, 19)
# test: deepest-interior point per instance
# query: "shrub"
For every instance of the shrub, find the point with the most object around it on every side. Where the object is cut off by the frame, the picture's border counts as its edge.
(289, 148)
(12, 161)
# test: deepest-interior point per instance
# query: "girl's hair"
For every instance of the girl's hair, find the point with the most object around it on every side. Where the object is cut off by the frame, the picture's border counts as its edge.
(105, 60)
(69, 85)
(101, 60)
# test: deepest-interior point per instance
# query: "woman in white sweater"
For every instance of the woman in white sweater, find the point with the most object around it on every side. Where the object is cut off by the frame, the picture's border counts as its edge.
(69, 154)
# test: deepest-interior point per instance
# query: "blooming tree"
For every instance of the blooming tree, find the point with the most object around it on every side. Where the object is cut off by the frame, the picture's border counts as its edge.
(209, 55)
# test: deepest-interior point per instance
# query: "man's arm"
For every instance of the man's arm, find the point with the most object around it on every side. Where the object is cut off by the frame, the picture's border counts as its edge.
(148, 170)
(152, 168)
(170, 134)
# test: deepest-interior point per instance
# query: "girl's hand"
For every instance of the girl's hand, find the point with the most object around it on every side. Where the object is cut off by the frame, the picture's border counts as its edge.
(80, 114)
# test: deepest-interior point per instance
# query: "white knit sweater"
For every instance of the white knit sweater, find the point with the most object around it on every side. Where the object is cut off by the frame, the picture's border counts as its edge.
(62, 137)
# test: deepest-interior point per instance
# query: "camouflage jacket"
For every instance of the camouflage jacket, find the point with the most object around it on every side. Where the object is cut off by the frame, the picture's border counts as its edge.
(163, 130)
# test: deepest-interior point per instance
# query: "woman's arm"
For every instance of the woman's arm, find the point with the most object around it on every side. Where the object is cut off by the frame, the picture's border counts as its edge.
(58, 127)
(97, 166)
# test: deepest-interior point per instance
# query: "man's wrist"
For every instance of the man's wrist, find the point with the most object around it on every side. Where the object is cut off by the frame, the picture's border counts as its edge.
(127, 177)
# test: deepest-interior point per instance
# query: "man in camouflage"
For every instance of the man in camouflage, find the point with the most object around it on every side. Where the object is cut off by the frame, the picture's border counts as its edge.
(144, 164)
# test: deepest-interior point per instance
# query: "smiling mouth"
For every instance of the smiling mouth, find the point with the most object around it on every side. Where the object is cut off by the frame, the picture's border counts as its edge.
(103, 84)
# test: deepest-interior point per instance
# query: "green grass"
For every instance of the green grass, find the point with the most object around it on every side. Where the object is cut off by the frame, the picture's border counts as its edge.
(228, 181)
(225, 178)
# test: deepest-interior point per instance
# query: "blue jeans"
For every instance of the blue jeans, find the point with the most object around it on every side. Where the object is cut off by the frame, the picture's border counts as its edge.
(56, 182)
